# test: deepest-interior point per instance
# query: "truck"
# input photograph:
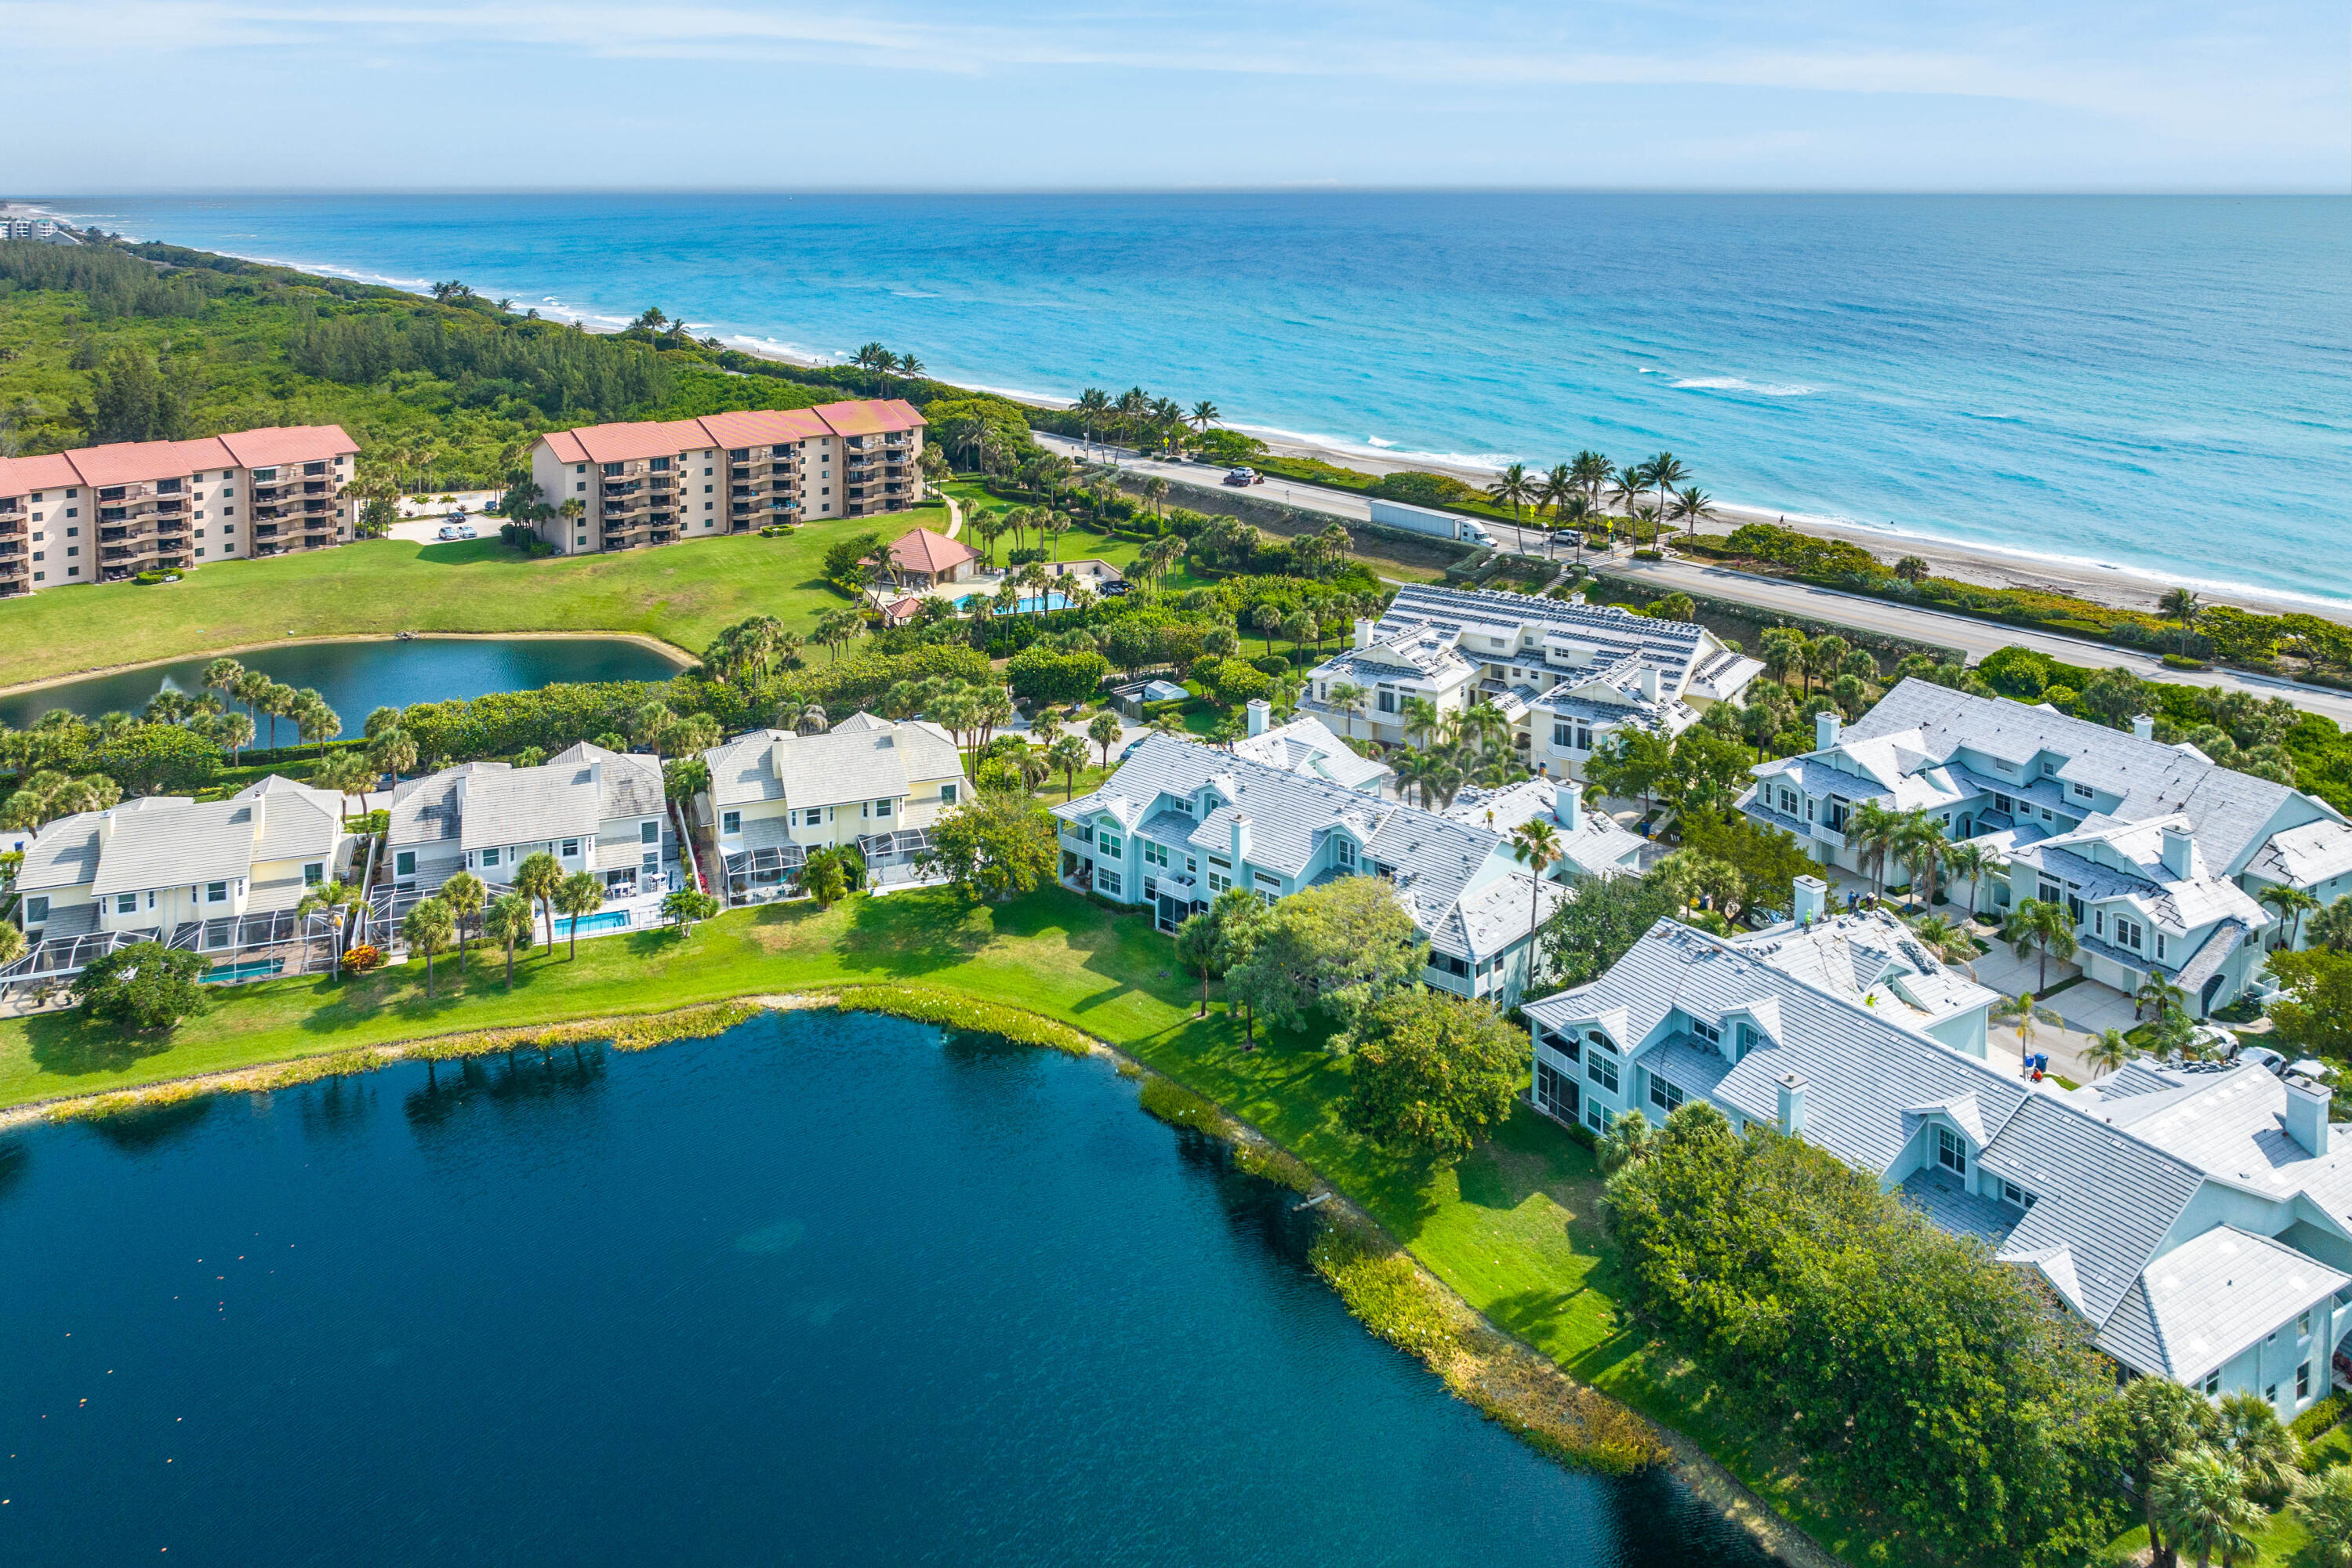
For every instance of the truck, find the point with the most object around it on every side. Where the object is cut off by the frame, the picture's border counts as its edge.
(1429, 521)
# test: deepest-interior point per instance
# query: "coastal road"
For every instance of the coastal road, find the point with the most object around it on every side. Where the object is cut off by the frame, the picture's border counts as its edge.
(1973, 637)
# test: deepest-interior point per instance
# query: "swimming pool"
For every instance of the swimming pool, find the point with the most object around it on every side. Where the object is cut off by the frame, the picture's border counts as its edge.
(252, 969)
(604, 920)
(1029, 605)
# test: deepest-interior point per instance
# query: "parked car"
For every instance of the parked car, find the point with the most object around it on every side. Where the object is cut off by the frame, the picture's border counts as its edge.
(1114, 590)
(469, 533)
(448, 531)
(1241, 477)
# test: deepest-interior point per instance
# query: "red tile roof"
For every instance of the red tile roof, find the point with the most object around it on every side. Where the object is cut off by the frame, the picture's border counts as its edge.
(135, 462)
(744, 427)
(924, 550)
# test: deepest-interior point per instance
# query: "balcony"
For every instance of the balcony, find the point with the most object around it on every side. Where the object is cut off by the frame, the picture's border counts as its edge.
(315, 488)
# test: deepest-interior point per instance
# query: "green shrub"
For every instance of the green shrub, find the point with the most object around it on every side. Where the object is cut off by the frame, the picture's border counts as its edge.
(2323, 1417)
(1236, 682)
(1046, 675)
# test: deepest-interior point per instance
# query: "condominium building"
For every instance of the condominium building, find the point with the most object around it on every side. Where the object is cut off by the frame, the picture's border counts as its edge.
(100, 515)
(643, 484)
(1567, 676)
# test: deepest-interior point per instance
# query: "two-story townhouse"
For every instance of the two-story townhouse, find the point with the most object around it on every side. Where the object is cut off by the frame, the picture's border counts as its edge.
(222, 877)
(594, 810)
(2201, 1219)
(1180, 824)
(664, 481)
(1568, 677)
(774, 795)
(1306, 746)
(2018, 777)
(102, 514)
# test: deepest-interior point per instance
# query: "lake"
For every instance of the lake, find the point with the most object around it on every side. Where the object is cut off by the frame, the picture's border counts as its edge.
(357, 677)
(822, 1290)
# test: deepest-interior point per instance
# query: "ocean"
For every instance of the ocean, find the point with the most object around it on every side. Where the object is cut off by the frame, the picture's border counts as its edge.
(2157, 383)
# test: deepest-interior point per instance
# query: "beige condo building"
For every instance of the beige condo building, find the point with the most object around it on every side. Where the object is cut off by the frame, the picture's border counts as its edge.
(660, 482)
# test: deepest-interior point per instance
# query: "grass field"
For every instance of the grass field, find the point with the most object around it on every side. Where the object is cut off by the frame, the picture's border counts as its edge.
(1513, 1227)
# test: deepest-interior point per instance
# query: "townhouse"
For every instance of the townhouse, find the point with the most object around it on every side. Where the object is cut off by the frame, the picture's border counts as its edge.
(656, 483)
(594, 810)
(100, 515)
(1568, 677)
(1180, 824)
(1306, 746)
(2200, 1217)
(221, 878)
(775, 795)
(2160, 856)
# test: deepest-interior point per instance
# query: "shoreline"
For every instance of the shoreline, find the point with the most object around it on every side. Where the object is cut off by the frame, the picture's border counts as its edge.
(671, 651)
(1969, 561)
(1530, 1409)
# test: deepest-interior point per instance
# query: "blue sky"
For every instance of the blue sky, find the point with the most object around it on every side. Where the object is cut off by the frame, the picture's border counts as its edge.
(124, 96)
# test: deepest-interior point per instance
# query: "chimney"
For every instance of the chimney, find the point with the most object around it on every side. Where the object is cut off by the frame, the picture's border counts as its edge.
(1364, 632)
(1568, 804)
(2143, 727)
(1241, 845)
(2179, 852)
(2306, 1113)
(1646, 679)
(1258, 713)
(1825, 730)
(1792, 1099)
(1813, 899)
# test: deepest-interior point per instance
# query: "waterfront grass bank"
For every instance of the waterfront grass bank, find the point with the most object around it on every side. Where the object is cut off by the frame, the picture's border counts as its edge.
(1514, 1229)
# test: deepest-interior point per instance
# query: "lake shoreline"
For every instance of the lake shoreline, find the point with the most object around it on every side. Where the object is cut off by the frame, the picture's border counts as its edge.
(1530, 1416)
(670, 651)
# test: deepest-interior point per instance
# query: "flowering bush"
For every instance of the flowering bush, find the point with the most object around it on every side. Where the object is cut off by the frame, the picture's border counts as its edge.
(364, 957)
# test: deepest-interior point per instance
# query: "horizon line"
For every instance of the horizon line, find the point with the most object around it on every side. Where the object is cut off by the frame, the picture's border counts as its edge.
(1292, 188)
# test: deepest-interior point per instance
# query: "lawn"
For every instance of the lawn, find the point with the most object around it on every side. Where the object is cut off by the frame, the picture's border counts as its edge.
(1514, 1228)
(682, 594)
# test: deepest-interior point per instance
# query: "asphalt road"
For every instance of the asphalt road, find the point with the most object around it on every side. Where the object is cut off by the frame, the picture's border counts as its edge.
(1975, 638)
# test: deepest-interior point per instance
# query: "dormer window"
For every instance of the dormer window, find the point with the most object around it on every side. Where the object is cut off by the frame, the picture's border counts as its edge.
(1343, 851)
(1705, 1031)
(1951, 1151)
(2015, 1195)
(2080, 791)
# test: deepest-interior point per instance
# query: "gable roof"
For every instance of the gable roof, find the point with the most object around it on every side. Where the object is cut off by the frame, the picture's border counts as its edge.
(1306, 746)
(860, 759)
(2210, 1298)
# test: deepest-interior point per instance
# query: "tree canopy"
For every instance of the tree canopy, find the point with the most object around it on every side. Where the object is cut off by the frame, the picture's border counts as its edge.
(997, 843)
(1432, 1071)
(146, 988)
(1340, 949)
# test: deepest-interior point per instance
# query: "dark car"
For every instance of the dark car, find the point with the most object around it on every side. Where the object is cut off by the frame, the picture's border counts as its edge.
(1240, 477)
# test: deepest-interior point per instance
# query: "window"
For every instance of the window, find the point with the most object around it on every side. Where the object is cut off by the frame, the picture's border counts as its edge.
(1562, 736)
(1107, 880)
(613, 469)
(648, 832)
(2303, 1326)
(946, 795)
(2049, 893)
(1705, 1031)
(1154, 854)
(2270, 1395)
(1950, 1153)
(489, 857)
(1601, 1041)
(215, 892)
(659, 464)
(1556, 1091)
(2302, 1383)
(2159, 947)
(126, 903)
(885, 809)
(2080, 791)
(37, 911)
(1388, 700)
(2128, 932)
(1603, 1070)
(1445, 963)
(2015, 1195)
(1565, 1045)
(314, 873)
(572, 849)
(1110, 845)
(2213, 1383)
(404, 863)
(731, 822)
(1665, 1096)
(814, 816)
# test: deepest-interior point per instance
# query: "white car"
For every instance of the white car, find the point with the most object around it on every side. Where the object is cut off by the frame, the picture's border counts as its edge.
(468, 533)
(448, 531)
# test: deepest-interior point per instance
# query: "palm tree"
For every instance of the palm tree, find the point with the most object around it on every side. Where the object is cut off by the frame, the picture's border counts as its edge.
(2290, 904)
(2157, 991)
(1591, 472)
(1205, 413)
(1626, 1144)
(1515, 487)
(509, 921)
(1628, 485)
(464, 894)
(1665, 471)
(2201, 1499)
(537, 878)
(221, 675)
(348, 775)
(2181, 605)
(1418, 718)
(330, 898)
(1196, 949)
(2108, 1053)
(1536, 845)
(1092, 408)
(1920, 844)
(232, 731)
(392, 752)
(2043, 926)
(2331, 928)
(1971, 862)
(1067, 752)
(2323, 1506)
(581, 893)
(1105, 732)
(1874, 831)
(1346, 699)
(12, 943)
(427, 930)
(1692, 506)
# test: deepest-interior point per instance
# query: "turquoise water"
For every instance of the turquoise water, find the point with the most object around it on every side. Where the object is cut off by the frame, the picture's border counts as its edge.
(2161, 382)
(823, 1291)
(356, 678)
(605, 919)
(1029, 605)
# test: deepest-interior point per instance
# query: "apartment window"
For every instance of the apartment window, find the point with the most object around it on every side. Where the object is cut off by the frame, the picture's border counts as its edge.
(2270, 1395)
(265, 475)
(1950, 1153)
(1601, 1041)
(1110, 845)
(1603, 1070)
(1562, 736)
(1218, 881)
(2159, 947)
(648, 832)
(659, 464)
(1154, 854)
(731, 822)
(126, 903)
(489, 857)
(1665, 1096)
(946, 795)
(2303, 1326)
(404, 863)
(613, 470)
(572, 849)
(1388, 700)
(314, 873)
(1447, 963)
(1343, 850)
(2050, 892)
(2302, 1383)
(215, 892)
(579, 468)
(1106, 881)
